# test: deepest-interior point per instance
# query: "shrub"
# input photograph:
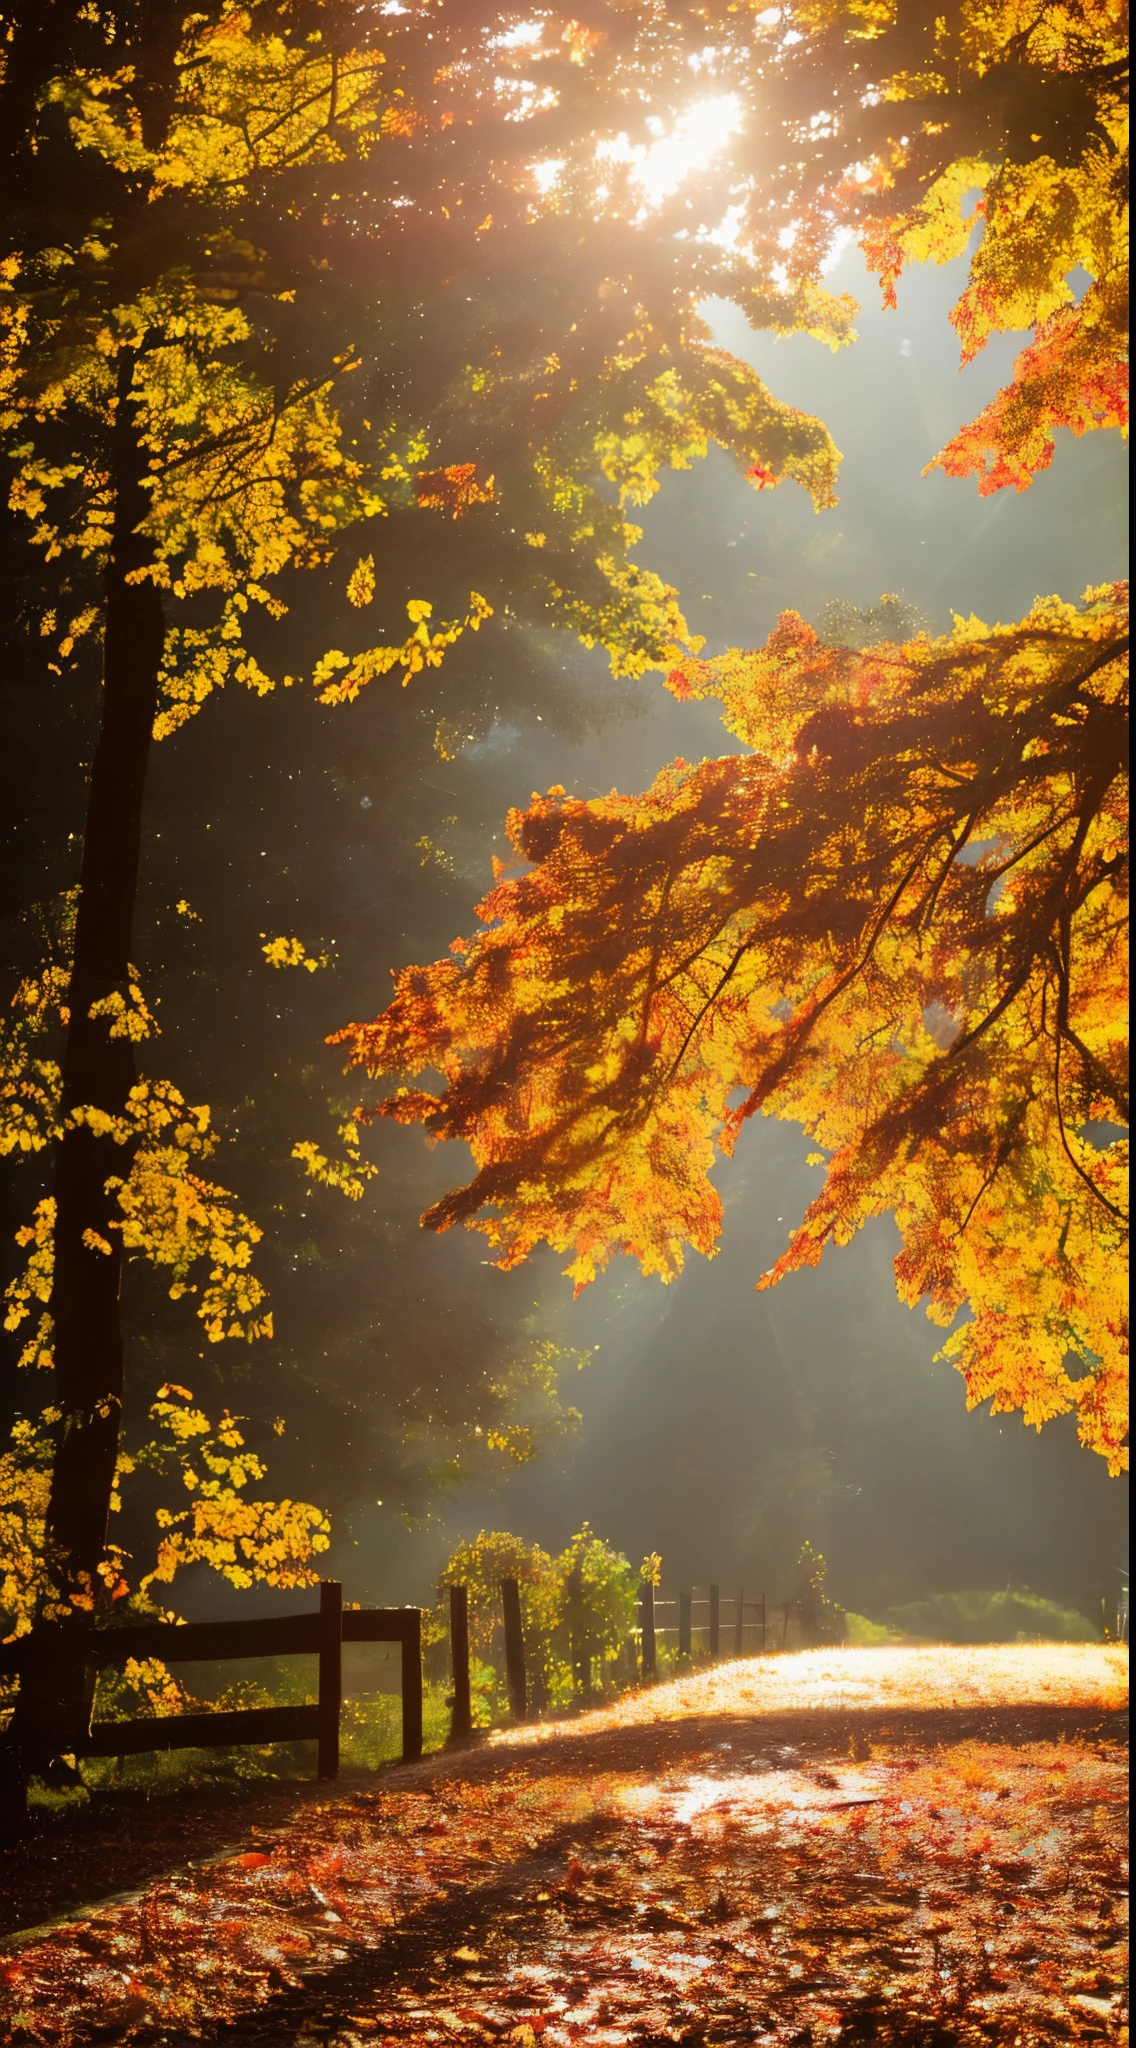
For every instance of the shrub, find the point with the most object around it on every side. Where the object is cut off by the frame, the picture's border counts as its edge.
(822, 1621)
(988, 1617)
(864, 1634)
(576, 1608)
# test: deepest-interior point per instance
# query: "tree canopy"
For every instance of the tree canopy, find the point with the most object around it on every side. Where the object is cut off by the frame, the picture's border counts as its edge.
(897, 918)
(667, 952)
(452, 263)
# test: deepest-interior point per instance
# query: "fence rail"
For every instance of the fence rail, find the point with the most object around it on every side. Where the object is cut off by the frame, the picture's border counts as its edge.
(650, 1629)
(204, 1731)
(321, 1635)
(278, 1635)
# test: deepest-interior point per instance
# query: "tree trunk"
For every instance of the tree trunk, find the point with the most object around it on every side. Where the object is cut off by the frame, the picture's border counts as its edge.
(98, 1072)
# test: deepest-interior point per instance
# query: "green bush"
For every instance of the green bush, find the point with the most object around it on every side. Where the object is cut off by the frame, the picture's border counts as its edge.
(863, 1634)
(986, 1617)
(585, 1598)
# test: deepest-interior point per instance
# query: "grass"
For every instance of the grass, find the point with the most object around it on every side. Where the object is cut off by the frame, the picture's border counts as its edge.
(370, 1736)
(863, 1634)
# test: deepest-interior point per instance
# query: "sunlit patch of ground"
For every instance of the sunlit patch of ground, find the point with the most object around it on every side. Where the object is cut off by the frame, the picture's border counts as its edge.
(940, 1675)
(766, 1884)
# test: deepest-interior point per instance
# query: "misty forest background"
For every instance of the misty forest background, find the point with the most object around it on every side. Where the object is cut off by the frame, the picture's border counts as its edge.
(720, 1427)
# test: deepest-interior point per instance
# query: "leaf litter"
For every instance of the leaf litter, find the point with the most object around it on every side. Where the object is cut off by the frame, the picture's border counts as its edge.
(853, 1884)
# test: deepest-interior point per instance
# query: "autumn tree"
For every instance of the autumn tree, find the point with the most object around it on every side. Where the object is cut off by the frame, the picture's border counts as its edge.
(146, 455)
(901, 127)
(808, 121)
(897, 918)
(201, 218)
(286, 282)
(575, 1033)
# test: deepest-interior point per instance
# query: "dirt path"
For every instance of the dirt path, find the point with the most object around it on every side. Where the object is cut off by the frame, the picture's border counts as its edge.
(812, 1849)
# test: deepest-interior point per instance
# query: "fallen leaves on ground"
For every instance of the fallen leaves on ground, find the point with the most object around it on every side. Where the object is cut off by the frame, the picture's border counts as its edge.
(753, 1889)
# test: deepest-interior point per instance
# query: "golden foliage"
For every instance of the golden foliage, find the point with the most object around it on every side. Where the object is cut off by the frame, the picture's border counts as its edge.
(247, 1541)
(181, 1223)
(34, 1284)
(126, 1011)
(421, 649)
(716, 397)
(1042, 223)
(25, 1479)
(169, 1215)
(453, 490)
(248, 476)
(283, 952)
(262, 449)
(1015, 117)
(148, 1687)
(29, 1079)
(1072, 376)
(246, 106)
(175, 1219)
(361, 582)
(349, 1174)
(897, 919)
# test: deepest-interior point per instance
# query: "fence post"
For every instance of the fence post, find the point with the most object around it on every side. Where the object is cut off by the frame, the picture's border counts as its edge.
(514, 1648)
(330, 1676)
(763, 1624)
(461, 1711)
(739, 1612)
(581, 1663)
(715, 1629)
(412, 1685)
(647, 1655)
(684, 1604)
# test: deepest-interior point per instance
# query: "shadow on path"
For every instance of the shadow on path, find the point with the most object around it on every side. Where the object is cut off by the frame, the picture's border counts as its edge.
(655, 1746)
(482, 1932)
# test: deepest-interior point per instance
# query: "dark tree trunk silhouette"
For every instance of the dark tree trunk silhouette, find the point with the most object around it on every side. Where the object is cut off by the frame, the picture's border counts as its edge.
(98, 1073)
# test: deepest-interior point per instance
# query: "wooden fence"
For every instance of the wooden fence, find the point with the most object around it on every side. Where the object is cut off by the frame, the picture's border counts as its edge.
(516, 1677)
(323, 1634)
(650, 1627)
